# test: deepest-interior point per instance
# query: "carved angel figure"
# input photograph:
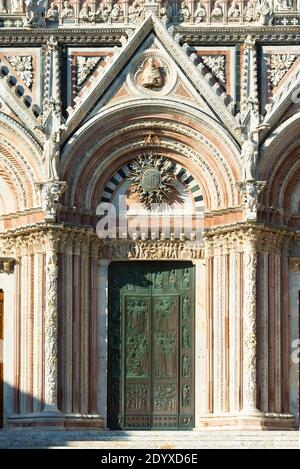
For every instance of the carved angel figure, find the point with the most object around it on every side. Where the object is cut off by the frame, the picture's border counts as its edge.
(151, 76)
(184, 13)
(200, 13)
(51, 155)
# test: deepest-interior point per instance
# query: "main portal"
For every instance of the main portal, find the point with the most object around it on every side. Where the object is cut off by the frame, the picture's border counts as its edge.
(151, 345)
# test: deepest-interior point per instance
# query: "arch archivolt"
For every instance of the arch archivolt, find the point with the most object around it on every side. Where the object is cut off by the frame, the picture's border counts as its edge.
(21, 163)
(279, 162)
(12, 178)
(177, 152)
(202, 147)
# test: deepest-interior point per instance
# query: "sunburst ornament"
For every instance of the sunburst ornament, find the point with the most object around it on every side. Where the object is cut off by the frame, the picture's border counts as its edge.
(152, 179)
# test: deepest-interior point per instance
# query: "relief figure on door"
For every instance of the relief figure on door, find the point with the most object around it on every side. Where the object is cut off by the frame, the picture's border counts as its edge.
(165, 338)
(137, 339)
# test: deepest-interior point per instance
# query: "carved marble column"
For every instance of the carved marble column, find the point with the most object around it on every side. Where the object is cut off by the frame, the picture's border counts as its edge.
(249, 327)
(51, 330)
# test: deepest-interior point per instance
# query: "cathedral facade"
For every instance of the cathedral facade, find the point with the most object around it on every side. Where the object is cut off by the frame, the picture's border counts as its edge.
(149, 214)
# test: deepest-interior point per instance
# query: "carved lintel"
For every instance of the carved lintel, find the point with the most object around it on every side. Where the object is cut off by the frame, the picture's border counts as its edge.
(152, 250)
(250, 191)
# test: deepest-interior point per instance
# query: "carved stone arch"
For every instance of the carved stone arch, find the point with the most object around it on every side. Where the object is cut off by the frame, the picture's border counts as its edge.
(183, 131)
(183, 176)
(93, 190)
(21, 166)
(11, 177)
(279, 161)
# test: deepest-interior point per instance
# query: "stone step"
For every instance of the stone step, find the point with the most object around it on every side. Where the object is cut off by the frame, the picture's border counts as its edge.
(149, 440)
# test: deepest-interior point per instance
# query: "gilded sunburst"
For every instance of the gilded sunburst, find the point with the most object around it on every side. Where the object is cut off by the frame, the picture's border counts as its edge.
(152, 179)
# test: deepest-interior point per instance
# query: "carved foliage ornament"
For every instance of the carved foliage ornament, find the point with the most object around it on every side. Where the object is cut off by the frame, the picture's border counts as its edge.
(216, 64)
(152, 179)
(280, 64)
(84, 67)
(23, 66)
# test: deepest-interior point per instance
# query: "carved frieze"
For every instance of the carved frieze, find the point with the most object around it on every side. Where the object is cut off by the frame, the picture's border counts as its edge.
(34, 13)
(151, 250)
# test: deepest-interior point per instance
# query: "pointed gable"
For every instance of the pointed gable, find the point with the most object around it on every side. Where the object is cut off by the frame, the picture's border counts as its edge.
(173, 59)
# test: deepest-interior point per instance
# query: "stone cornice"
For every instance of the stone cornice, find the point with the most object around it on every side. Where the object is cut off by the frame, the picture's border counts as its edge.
(112, 35)
(248, 227)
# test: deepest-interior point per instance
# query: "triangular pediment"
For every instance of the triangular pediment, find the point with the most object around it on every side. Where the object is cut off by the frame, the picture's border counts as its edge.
(174, 84)
(183, 74)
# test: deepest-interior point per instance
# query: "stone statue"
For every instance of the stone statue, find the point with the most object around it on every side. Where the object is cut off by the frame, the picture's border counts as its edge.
(184, 13)
(84, 13)
(264, 13)
(16, 6)
(116, 12)
(68, 10)
(51, 155)
(135, 12)
(103, 12)
(284, 5)
(151, 75)
(249, 11)
(200, 13)
(166, 13)
(249, 156)
(52, 13)
(217, 11)
(233, 10)
(34, 14)
(2, 7)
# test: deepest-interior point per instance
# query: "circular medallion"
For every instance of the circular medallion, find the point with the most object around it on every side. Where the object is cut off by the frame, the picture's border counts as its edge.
(151, 179)
(152, 74)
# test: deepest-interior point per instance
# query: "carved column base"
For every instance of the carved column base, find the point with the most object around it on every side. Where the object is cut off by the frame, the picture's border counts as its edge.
(260, 421)
(58, 421)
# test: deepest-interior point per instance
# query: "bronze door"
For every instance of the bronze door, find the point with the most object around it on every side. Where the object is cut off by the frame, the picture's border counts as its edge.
(151, 345)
